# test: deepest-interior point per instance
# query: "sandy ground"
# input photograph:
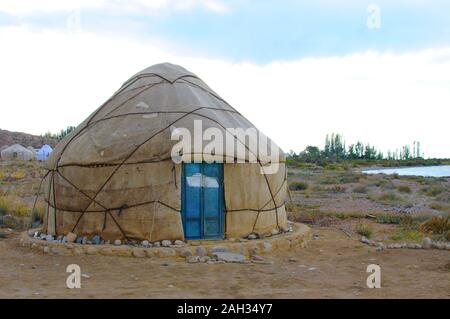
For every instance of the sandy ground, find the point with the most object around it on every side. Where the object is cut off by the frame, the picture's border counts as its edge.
(333, 266)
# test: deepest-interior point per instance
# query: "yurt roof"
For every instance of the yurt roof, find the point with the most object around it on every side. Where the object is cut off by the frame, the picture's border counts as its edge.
(46, 147)
(17, 148)
(136, 123)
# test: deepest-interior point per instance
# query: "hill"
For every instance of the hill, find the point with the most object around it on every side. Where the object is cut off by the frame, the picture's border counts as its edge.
(24, 139)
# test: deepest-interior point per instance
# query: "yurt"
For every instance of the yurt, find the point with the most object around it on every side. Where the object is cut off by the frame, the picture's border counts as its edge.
(2, 148)
(43, 153)
(17, 151)
(116, 174)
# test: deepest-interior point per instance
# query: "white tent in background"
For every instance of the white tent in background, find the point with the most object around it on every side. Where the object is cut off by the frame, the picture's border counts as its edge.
(44, 152)
(17, 151)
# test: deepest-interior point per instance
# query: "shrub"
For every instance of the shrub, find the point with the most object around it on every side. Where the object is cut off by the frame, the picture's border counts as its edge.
(434, 191)
(19, 174)
(436, 225)
(337, 189)
(406, 234)
(404, 189)
(5, 206)
(349, 178)
(389, 197)
(298, 186)
(389, 219)
(364, 230)
(360, 189)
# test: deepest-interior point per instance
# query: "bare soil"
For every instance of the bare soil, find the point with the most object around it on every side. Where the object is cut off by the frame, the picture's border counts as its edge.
(332, 266)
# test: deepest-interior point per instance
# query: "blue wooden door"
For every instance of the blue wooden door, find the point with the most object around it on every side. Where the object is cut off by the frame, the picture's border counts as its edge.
(202, 200)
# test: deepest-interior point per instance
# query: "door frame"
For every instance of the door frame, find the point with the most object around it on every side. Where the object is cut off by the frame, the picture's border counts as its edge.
(221, 204)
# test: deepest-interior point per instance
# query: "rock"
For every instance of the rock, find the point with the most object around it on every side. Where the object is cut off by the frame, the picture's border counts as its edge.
(426, 243)
(292, 259)
(365, 240)
(252, 236)
(243, 240)
(274, 231)
(123, 251)
(36, 234)
(157, 244)
(145, 243)
(410, 245)
(42, 236)
(204, 259)
(96, 240)
(108, 242)
(107, 251)
(185, 253)
(200, 251)
(178, 243)
(138, 252)
(117, 242)
(166, 252)
(59, 238)
(46, 250)
(397, 246)
(79, 240)
(219, 248)
(417, 246)
(447, 247)
(379, 248)
(150, 252)
(84, 240)
(267, 247)
(85, 276)
(9, 221)
(229, 257)
(440, 245)
(257, 257)
(166, 243)
(88, 242)
(64, 240)
(49, 238)
(315, 237)
(193, 259)
(91, 250)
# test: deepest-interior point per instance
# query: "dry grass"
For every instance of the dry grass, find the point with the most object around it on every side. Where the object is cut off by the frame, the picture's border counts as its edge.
(436, 225)
(364, 230)
(404, 189)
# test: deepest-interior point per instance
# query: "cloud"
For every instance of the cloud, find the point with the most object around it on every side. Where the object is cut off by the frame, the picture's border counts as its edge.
(30, 7)
(52, 79)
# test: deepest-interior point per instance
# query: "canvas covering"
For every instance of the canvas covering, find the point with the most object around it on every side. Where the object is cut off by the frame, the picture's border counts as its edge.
(114, 175)
(17, 151)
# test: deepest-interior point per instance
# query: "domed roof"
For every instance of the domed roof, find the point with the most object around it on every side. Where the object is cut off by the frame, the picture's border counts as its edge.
(136, 123)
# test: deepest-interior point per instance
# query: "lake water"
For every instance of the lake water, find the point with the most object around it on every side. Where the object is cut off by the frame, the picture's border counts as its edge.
(434, 171)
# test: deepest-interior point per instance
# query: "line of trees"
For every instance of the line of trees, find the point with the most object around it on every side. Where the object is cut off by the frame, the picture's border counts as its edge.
(335, 149)
(61, 134)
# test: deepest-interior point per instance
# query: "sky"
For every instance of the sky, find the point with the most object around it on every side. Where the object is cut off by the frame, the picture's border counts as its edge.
(376, 71)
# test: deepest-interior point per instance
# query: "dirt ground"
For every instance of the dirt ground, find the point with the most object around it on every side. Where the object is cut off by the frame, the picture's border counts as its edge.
(332, 266)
